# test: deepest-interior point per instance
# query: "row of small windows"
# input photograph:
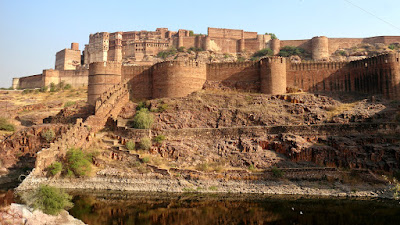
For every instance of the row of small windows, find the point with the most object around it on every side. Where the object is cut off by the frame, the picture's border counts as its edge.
(152, 45)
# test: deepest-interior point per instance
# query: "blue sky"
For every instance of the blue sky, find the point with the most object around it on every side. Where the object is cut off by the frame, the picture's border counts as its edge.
(33, 31)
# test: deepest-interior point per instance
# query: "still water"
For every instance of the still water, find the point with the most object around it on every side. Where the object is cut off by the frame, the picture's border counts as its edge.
(193, 209)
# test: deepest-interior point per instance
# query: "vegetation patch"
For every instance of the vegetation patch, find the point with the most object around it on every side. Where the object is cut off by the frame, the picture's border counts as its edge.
(5, 125)
(130, 145)
(48, 135)
(48, 199)
(166, 53)
(276, 172)
(143, 119)
(263, 52)
(69, 103)
(159, 139)
(55, 168)
(145, 143)
(78, 163)
(288, 51)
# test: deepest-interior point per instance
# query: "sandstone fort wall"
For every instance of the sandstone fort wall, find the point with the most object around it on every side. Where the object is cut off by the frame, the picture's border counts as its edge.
(34, 81)
(238, 75)
(315, 76)
(177, 79)
(140, 81)
(273, 75)
(102, 76)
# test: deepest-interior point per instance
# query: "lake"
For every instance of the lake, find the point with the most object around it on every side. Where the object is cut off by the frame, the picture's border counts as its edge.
(192, 208)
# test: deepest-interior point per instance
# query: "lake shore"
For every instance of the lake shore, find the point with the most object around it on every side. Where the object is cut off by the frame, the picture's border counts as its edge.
(175, 185)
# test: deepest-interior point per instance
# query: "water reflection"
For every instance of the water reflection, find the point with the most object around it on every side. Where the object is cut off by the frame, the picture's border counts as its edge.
(139, 208)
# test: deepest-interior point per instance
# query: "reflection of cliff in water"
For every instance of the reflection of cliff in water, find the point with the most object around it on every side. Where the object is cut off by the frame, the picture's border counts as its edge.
(193, 209)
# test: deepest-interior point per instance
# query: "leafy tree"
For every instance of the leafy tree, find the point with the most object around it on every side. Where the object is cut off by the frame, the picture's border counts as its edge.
(288, 51)
(48, 199)
(78, 162)
(273, 36)
(263, 52)
(143, 119)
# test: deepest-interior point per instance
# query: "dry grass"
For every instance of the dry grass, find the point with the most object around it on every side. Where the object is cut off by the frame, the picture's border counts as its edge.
(336, 110)
(37, 98)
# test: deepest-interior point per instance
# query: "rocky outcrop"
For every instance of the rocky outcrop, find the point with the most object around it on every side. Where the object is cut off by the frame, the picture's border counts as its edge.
(20, 214)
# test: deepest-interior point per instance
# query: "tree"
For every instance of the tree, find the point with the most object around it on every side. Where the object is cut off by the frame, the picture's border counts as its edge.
(288, 51)
(263, 52)
(143, 119)
(273, 36)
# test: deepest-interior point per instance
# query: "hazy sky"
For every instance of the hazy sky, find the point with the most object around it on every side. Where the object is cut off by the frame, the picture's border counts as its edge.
(33, 31)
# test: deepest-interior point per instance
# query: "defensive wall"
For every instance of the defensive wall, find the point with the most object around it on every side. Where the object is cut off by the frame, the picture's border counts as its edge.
(76, 78)
(272, 75)
(322, 47)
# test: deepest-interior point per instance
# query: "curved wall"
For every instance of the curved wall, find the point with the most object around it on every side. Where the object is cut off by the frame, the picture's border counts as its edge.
(273, 75)
(102, 76)
(177, 79)
(276, 46)
(320, 48)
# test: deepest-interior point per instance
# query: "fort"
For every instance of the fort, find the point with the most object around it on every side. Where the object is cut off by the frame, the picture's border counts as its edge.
(107, 60)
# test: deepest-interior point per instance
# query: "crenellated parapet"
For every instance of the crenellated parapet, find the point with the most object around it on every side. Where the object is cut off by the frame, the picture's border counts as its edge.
(317, 65)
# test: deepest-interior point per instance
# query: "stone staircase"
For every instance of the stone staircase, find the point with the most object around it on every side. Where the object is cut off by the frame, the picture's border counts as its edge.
(81, 134)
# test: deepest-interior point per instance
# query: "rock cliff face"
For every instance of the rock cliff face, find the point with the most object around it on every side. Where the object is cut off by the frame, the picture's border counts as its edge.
(230, 129)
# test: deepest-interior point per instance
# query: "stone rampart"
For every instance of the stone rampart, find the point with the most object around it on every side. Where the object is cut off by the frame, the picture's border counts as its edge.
(34, 81)
(177, 79)
(102, 76)
(273, 75)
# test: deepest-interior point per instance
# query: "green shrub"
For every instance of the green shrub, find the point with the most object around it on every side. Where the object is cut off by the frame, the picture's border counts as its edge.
(5, 125)
(78, 162)
(273, 36)
(145, 143)
(194, 49)
(69, 103)
(288, 51)
(162, 107)
(143, 119)
(44, 89)
(227, 55)
(240, 59)
(55, 168)
(146, 159)
(159, 138)
(394, 46)
(130, 145)
(191, 33)
(48, 199)
(276, 172)
(27, 91)
(252, 167)
(166, 53)
(341, 52)
(67, 87)
(48, 135)
(142, 105)
(181, 49)
(263, 52)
